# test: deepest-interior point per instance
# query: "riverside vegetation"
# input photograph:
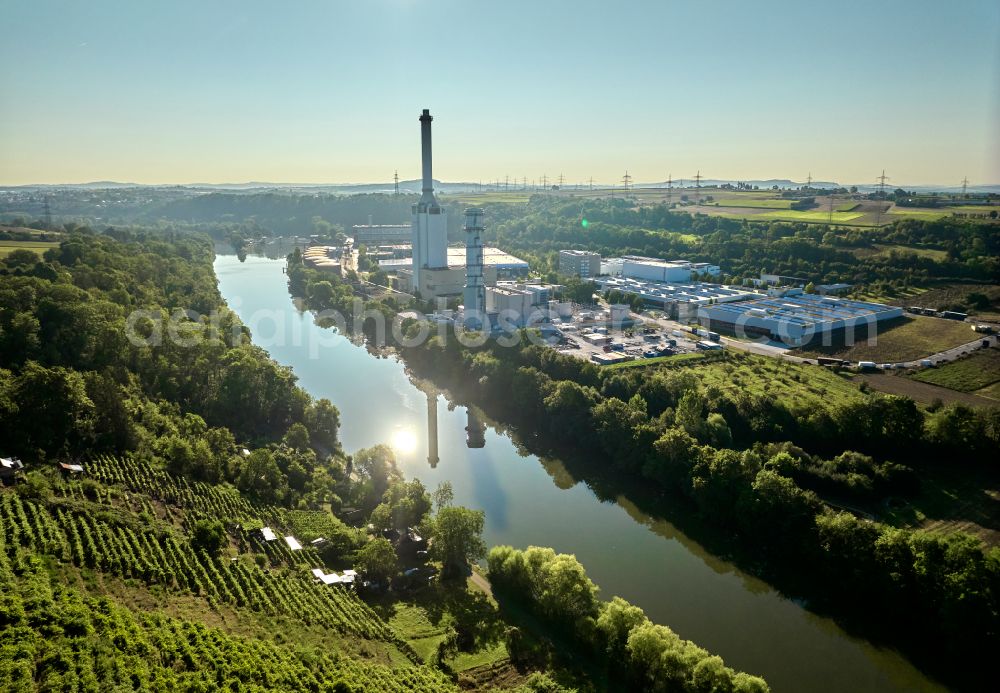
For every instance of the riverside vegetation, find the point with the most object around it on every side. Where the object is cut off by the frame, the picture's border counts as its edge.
(147, 572)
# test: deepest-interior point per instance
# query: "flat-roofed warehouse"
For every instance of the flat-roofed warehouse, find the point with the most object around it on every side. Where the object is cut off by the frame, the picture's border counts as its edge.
(680, 300)
(797, 318)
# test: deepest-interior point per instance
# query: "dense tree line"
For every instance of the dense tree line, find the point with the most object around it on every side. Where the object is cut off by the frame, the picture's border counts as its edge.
(745, 248)
(73, 380)
(636, 652)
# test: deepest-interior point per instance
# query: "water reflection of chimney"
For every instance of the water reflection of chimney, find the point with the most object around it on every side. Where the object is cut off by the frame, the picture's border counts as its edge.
(476, 431)
(432, 429)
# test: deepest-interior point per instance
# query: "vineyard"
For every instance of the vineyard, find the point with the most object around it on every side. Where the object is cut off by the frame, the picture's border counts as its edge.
(55, 638)
(132, 521)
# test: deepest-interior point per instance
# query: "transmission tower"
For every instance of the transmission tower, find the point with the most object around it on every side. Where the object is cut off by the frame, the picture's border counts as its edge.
(395, 180)
(592, 183)
(809, 180)
(47, 211)
(881, 183)
(506, 183)
(560, 181)
(965, 186)
(697, 186)
(626, 179)
(545, 181)
(670, 189)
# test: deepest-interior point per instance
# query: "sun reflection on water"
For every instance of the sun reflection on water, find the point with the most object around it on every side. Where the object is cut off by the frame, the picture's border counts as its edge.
(404, 440)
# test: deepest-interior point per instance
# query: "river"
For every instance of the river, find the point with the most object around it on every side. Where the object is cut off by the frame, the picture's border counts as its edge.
(530, 501)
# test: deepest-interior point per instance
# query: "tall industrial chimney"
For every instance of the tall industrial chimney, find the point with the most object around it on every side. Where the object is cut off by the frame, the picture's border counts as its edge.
(425, 145)
(429, 224)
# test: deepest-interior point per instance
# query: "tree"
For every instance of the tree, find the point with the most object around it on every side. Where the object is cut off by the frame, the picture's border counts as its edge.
(377, 560)
(208, 536)
(297, 437)
(443, 495)
(458, 539)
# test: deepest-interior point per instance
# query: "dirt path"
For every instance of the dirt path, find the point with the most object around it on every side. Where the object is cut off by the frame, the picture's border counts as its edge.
(482, 583)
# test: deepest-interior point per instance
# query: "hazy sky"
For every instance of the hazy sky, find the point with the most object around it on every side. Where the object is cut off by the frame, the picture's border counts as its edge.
(310, 91)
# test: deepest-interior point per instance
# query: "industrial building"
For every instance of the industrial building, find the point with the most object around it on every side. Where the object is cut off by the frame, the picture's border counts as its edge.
(520, 302)
(381, 234)
(652, 269)
(796, 318)
(579, 263)
(679, 300)
(474, 292)
(451, 281)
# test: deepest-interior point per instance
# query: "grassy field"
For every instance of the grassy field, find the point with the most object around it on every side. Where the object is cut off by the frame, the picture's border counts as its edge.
(754, 203)
(425, 619)
(813, 215)
(925, 214)
(885, 250)
(847, 207)
(990, 391)
(37, 247)
(970, 374)
(907, 339)
(801, 387)
(485, 198)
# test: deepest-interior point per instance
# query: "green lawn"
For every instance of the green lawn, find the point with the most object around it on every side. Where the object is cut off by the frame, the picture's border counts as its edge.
(847, 207)
(37, 247)
(757, 204)
(975, 372)
(906, 339)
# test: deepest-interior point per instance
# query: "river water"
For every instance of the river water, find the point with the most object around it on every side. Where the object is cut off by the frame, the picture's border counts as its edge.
(530, 501)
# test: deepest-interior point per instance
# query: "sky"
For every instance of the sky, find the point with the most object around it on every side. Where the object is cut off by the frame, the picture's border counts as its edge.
(314, 91)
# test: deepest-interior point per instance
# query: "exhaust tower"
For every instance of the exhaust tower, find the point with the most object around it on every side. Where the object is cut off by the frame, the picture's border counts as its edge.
(428, 221)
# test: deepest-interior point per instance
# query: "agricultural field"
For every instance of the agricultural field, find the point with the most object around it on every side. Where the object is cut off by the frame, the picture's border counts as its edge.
(819, 216)
(37, 247)
(486, 198)
(969, 374)
(906, 339)
(754, 203)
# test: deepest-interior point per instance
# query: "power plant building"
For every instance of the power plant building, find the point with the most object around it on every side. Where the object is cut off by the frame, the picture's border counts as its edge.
(435, 269)
(579, 263)
(429, 224)
(474, 293)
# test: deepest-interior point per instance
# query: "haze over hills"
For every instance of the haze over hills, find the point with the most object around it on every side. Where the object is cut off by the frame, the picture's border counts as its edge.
(413, 186)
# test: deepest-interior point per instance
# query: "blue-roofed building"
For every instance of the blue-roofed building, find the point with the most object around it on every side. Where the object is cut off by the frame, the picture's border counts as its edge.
(797, 318)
